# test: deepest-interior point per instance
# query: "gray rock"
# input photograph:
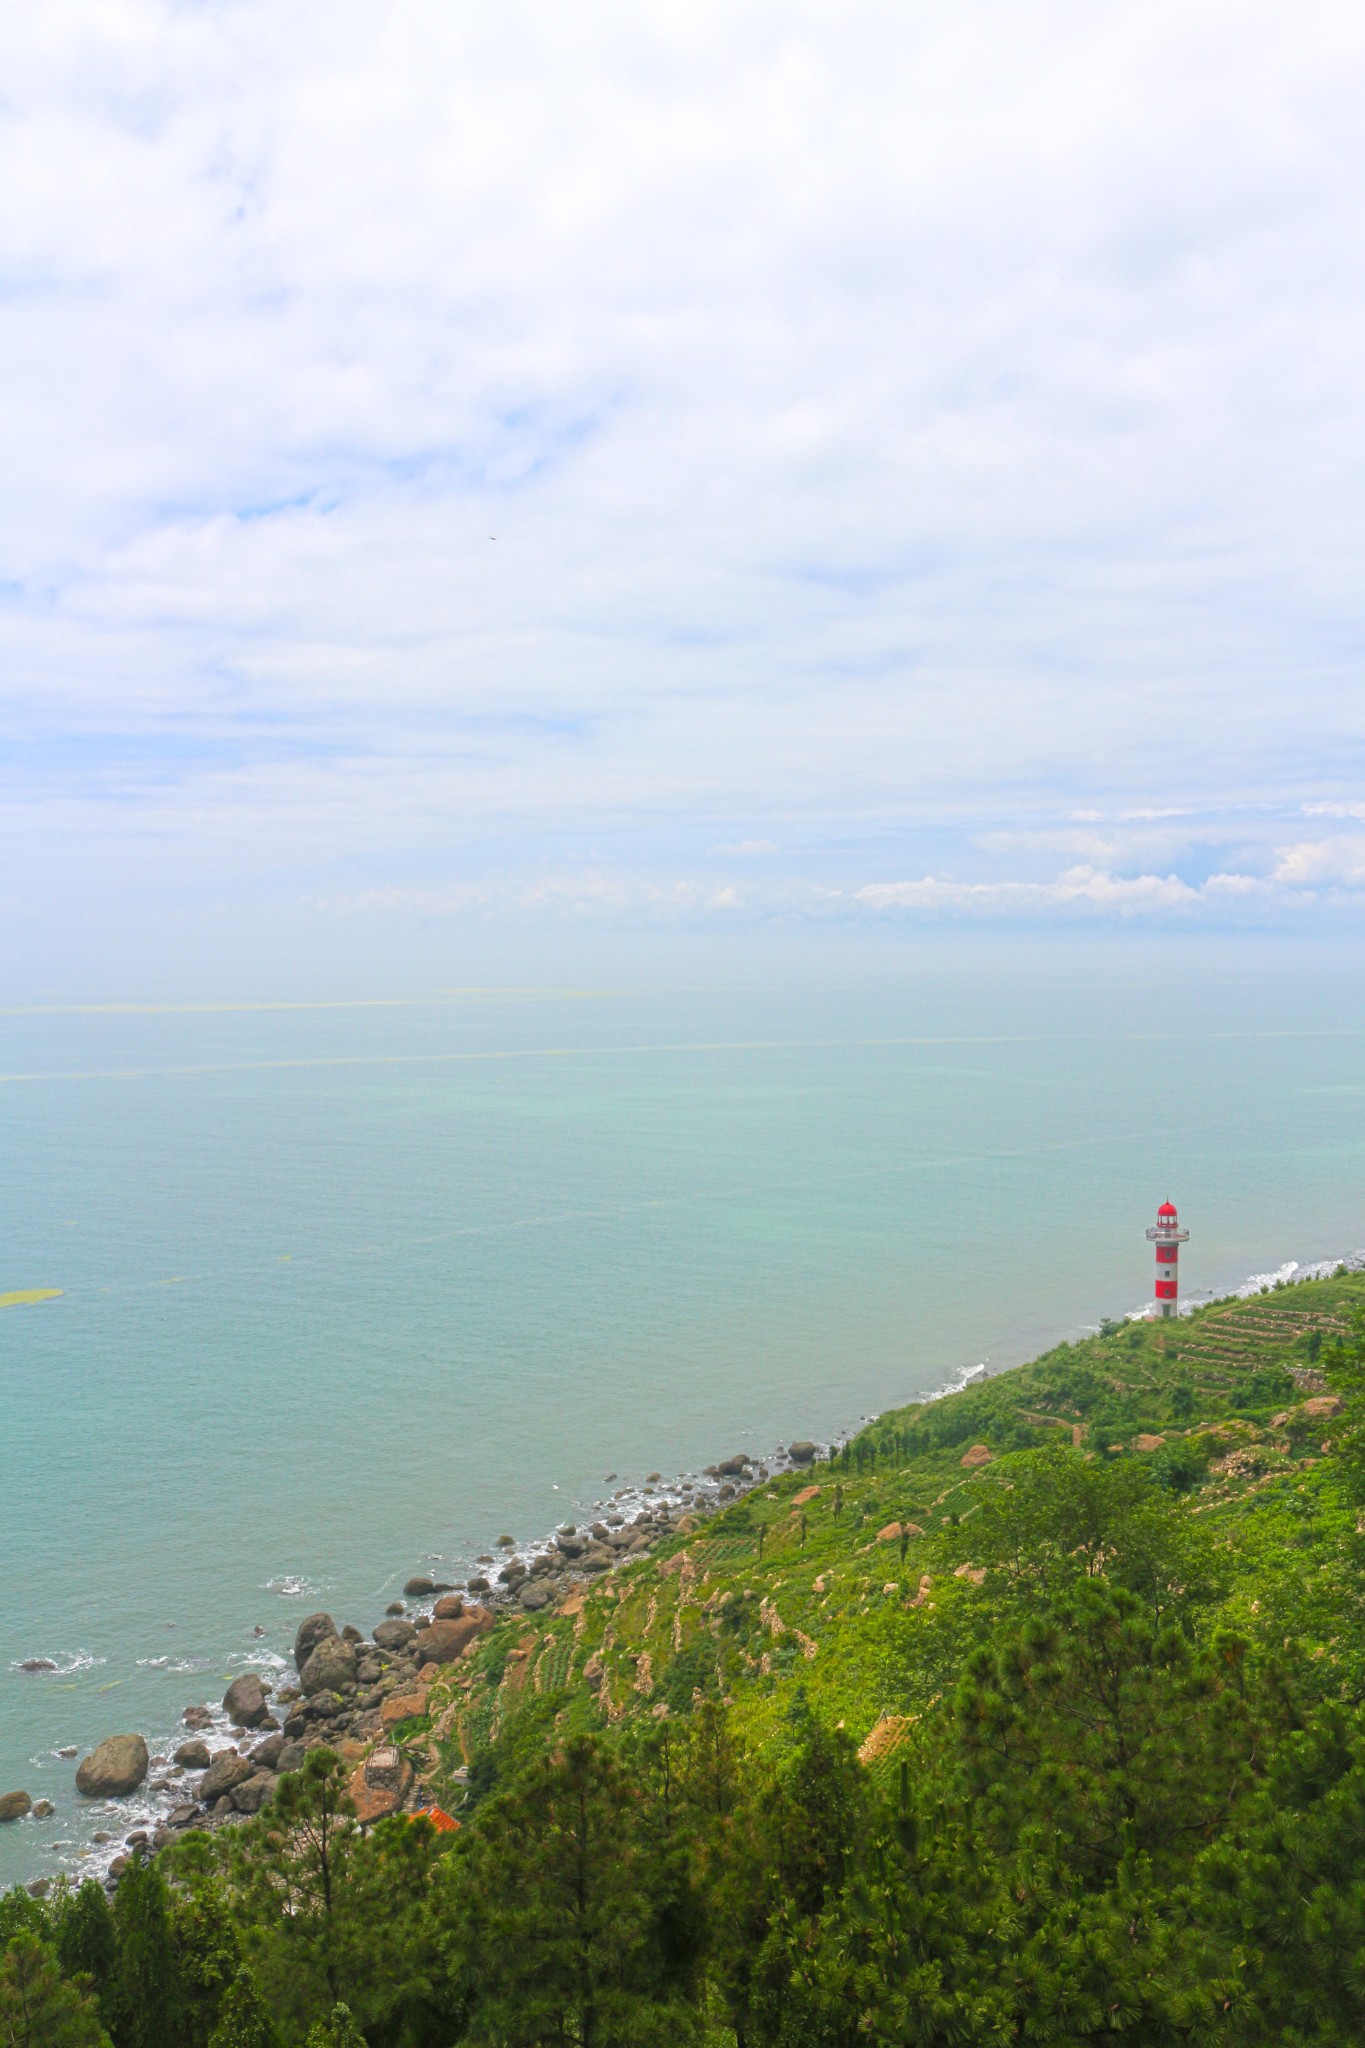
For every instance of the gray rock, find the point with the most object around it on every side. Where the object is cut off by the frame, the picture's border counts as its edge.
(569, 1546)
(113, 1770)
(324, 1706)
(251, 1795)
(315, 1629)
(227, 1771)
(368, 1671)
(38, 1887)
(477, 1585)
(330, 1666)
(394, 1635)
(244, 1702)
(291, 1757)
(512, 1573)
(394, 1607)
(43, 1809)
(193, 1756)
(14, 1805)
(534, 1595)
(542, 1565)
(197, 1717)
(801, 1453)
(351, 1635)
(184, 1816)
(732, 1468)
(418, 1589)
(37, 1664)
(450, 1608)
(507, 1543)
(266, 1755)
(567, 1529)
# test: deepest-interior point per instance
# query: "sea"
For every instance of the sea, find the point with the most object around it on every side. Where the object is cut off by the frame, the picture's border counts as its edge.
(339, 1291)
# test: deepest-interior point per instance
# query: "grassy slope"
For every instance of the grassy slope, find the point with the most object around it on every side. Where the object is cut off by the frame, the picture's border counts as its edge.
(873, 1639)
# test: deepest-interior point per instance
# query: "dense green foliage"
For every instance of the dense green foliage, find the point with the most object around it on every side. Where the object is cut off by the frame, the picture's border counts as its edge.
(1040, 1717)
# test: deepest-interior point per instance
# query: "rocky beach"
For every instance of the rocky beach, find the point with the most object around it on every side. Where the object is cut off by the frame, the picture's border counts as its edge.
(349, 1690)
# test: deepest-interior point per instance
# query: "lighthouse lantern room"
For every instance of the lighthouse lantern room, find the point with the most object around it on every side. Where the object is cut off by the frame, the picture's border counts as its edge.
(1166, 1235)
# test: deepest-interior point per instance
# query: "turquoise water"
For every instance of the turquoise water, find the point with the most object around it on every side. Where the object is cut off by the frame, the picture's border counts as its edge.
(349, 1291)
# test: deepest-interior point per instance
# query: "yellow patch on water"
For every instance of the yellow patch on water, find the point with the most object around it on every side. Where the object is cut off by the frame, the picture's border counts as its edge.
(22, 1296)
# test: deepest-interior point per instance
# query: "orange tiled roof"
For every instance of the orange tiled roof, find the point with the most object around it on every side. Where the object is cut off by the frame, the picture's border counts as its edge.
(443, 1822)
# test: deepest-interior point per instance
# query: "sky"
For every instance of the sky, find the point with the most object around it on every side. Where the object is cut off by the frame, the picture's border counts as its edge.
(686, 466)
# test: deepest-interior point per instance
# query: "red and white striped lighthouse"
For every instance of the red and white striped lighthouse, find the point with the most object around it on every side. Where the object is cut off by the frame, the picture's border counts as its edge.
(1167, 1236)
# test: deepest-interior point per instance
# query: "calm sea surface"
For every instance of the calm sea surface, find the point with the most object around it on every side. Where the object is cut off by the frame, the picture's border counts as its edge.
(349, 1291)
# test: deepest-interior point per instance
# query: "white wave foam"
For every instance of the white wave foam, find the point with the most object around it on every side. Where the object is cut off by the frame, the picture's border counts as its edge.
(291, 1586)
(57, 1663)
(1291, 1273)
(966, 1376)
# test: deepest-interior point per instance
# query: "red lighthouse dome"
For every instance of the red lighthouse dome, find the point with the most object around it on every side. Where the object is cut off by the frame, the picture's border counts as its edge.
(1167, 1209)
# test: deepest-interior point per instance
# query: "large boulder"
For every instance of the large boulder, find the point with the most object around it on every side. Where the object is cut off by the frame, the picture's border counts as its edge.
(266, 1755)
(224, 1774)
(380, 1785)
(113, 1770)
(193, 1756)
(315, 1629)
(444, 1641)
(331, 1665)
(449, 1607)
(244, 1702)
(534, 1595)
(14, 1805)
(394, 1635)
(251, 1795)
(402, 1706)
(802, 1452)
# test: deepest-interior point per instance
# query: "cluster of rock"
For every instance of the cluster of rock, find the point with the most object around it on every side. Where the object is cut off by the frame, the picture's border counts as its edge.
(353, 1690)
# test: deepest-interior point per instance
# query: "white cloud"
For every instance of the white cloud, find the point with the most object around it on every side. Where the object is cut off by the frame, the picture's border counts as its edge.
(928, 423)
(1088, 888)
(1311, 861)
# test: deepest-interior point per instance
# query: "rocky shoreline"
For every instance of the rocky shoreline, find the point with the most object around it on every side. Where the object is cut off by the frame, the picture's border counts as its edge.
(350, 1690)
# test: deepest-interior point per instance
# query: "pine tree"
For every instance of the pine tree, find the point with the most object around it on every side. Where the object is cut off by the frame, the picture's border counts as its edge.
(208, 1956)
(243, 2021)
(146, 1991)
(340, 2031)
(561, 1905)
(88, 1946)
(294, 1870)
(37, 2008)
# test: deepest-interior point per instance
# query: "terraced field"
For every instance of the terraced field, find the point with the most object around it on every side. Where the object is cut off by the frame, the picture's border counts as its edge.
(865, 1582)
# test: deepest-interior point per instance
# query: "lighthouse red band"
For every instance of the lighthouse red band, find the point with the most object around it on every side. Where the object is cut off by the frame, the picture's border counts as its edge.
(1168, 1237)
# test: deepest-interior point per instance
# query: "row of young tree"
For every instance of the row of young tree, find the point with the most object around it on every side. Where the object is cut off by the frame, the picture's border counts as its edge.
(1113, 1834)
(1121, 1824)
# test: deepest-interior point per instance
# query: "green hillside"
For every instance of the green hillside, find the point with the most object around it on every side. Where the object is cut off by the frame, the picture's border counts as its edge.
(802, 1583)
(1033, 1716)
